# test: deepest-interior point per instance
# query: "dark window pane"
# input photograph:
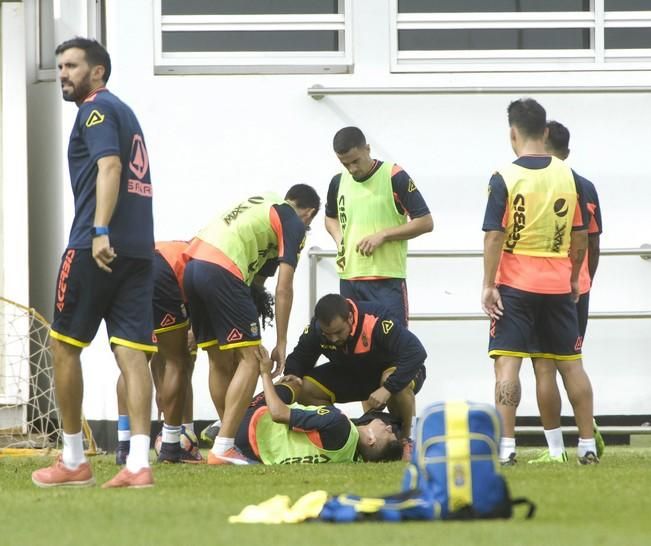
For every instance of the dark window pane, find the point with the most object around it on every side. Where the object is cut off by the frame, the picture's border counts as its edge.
(627, 5)
(627, 38)
(261, 40)
(486, 39)
(490, 6)
(247, 7)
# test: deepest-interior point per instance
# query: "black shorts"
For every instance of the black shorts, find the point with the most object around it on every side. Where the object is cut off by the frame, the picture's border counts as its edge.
(346, 383)
(582, 309)
(535, 325)
(223, 312)
(170, 312)
(85, 295)
(391, 293)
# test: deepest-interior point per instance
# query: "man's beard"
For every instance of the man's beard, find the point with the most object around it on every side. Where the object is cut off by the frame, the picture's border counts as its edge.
(79, 92)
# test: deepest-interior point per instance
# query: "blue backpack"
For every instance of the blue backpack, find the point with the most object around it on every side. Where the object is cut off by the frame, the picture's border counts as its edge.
(453, 474)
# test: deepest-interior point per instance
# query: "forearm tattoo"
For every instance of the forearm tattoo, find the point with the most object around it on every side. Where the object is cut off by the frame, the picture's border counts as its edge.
(507, 393)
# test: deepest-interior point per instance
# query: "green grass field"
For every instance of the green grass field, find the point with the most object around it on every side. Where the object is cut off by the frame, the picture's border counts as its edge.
(608, 503)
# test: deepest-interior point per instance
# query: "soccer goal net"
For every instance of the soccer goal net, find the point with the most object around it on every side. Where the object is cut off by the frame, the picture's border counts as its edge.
(29, 419)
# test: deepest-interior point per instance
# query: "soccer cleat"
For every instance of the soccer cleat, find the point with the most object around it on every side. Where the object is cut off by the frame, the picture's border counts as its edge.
(59, 475)
(547, 458)
(510, 460)
(209, 433)
(174, 453)
(232, 456)
(598, 439)
(135, 480)
(407, 449)
(121, 452)
(589, 458)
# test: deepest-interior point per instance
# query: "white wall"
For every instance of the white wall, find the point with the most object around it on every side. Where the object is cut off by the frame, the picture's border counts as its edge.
(212, 139)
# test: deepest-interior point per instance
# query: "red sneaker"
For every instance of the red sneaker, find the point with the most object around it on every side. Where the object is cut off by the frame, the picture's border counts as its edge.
(60, 475)
(135, 480)
(231, 456)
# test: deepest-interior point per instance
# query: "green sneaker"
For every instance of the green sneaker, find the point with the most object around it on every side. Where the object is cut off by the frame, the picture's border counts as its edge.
(598, 440)
(209, 433)
(546, 457)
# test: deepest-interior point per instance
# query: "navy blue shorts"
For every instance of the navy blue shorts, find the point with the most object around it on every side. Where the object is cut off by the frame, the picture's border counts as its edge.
(85, 295)
(582, 309)
(392, 293)
(223, 312)
(170, 312)
(346, 383)
(535, 325)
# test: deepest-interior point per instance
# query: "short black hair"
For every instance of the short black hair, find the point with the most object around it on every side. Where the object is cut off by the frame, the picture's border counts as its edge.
(331, 306)
(558, 137)
(96, 54)
(528, 116)
(390, 452)
(304, 197)
(348, 138)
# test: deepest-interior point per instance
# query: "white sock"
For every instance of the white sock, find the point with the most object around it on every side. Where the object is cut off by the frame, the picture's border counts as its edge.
(138, 452)
(171, 434)
(555, 443)
(222, 445)
(189, 426)
(507, 446)
(73, 450)
(585, 445)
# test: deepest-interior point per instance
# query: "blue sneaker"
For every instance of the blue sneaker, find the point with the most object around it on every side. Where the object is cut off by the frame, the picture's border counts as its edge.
(510, 460)
(121, 452)
(589, 458)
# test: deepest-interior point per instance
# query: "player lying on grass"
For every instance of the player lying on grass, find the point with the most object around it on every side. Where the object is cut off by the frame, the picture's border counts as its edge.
(275, 430)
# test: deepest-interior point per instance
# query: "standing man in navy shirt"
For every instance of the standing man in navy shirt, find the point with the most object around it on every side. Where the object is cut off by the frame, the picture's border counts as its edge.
(106, 269)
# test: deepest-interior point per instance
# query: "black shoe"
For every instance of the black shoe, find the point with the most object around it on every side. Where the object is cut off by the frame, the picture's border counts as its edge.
(121, 452)
(589, 458)
(510, 460)
(174, 453)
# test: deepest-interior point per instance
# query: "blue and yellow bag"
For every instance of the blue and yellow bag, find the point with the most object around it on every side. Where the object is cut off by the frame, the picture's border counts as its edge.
(454, 472)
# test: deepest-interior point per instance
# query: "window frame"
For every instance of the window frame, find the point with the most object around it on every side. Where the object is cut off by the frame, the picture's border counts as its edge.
(597, 58)
(95, 14)
(254, 62)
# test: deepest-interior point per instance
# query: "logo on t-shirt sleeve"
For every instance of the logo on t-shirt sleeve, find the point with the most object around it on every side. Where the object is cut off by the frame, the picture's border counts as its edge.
(95, 118)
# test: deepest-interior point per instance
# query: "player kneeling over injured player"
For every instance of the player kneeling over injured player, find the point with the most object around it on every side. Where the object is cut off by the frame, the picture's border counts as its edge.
(274, 432)
(371, 359)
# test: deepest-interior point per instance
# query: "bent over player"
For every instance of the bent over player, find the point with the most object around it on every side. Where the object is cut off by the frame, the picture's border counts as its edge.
(224, 259)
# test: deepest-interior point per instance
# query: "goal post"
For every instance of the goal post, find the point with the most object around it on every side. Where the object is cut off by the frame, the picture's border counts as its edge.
(29, 418)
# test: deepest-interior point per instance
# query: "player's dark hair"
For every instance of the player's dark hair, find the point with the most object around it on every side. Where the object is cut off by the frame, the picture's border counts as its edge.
(331, 306)
(558, 138)
(264, 304)
(528, 116)
(96, 54)
(348, 138)
(392, 451)
(304, 197)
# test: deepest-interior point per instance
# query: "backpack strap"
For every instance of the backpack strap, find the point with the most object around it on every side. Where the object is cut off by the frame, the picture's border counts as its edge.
(523, 500)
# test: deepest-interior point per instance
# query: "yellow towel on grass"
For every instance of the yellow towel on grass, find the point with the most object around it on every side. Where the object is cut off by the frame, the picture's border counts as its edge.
(277, 509)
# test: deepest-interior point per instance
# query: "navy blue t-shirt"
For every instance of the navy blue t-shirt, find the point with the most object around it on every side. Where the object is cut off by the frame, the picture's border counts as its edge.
(385, 342)
(293, 235)
(105, 126)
